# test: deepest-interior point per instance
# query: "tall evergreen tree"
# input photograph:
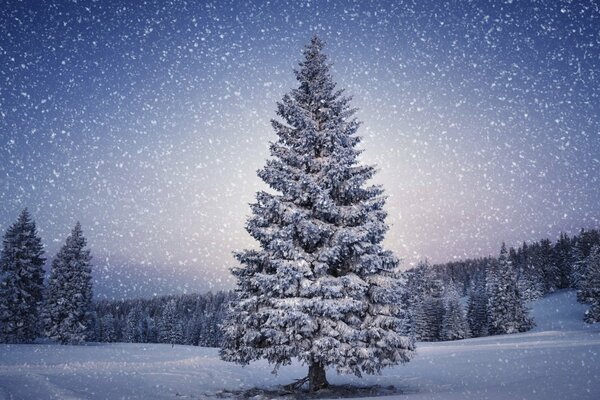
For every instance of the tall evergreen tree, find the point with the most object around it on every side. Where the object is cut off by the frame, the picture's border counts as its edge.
(135, 329)
(563, 260)
(530, 274)
(171, 328)
(577, 266)
(68, 303)
(477, 314)
(21, 281)
(429, 311)
(321, 288)
(592, 285)
(107, 328)
(548, 265)
(416, 284)
(506, 311)
(454, 324)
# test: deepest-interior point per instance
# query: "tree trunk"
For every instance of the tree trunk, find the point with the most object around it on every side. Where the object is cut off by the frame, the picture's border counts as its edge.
(316, 377)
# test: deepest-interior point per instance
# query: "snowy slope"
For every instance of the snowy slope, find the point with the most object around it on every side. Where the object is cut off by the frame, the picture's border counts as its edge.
(559, 359)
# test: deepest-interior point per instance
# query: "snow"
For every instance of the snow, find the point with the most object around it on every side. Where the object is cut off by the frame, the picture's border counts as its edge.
(558, 359)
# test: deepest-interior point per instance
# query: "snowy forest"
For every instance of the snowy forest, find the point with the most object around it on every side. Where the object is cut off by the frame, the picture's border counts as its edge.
(431, 295)
(292, 200)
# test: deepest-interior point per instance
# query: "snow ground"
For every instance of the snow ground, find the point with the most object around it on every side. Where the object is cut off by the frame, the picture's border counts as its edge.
(559, 359)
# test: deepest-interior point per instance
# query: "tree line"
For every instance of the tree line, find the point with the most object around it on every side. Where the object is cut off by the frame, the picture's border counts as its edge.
(62, 308)
(456, 300)
(497, 289)
(190, 319)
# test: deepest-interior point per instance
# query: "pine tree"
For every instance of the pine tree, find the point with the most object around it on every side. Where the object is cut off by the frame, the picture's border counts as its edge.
(321, 288)
(530, 276)
(454, 325)
(578, 274)
(416, 287)
(548, 265)
(429, 310)
(563, 255)
(68, 303)
(477, 314)
(108, 332)
(171, 328)
(592, 285)
(21, 281)
(506, 312)
(134, 326)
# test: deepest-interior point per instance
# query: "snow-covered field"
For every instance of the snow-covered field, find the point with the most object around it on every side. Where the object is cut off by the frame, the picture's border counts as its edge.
(559, 359)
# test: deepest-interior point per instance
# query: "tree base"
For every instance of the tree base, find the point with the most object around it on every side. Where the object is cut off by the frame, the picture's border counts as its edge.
(316, 377)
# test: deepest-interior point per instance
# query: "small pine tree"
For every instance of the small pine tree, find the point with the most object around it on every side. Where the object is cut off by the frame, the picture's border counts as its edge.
(134, 329)
(171, 328)
(68, 305)
(506, 312)
(21, 281)
(321, 288)
(432, 311)
(578, 274)
(454, 324)
(549, 266)
(415, 294)
(592, 285)
(477, 314)
(530, 277)
(108, 332)
(562, 259)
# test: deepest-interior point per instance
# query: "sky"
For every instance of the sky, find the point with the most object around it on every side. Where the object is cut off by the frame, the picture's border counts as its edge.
(147, 121)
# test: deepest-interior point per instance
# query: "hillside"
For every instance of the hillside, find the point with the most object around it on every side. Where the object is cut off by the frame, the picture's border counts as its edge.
(559, 359)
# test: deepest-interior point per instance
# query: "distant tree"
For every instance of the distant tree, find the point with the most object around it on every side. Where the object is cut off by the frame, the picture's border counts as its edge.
(562, 259)
(321, 289)
(592, 285)
(171, 324)
(21, 281)
(426, 305)
(577, 266)
(530, 276)
(477, 313)
(454, 324)
(548, 265)
(135, 330)
(68, 303)
(107, 328)
(413, 300)
(506, 311)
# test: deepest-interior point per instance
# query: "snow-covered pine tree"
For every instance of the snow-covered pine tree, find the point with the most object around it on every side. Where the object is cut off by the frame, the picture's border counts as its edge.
(321, 288)
(108, 331)
(562, 257)
(429, 312)
(454, 323)
(134, 331)
(415, 293)
(592, 285)
(548, 266)
(506, 311)
(68, 302)
(579, 272)
(477, 315)
(171, 327)
(21, 281)
(530, 276)
(577, 267)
